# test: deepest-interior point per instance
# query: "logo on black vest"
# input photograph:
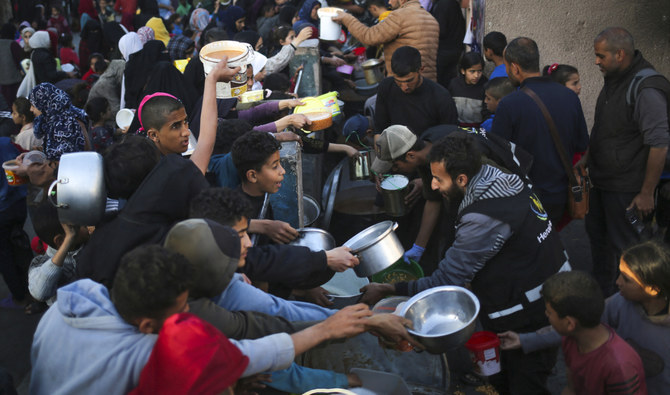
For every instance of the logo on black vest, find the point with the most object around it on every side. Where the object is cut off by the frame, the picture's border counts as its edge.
(536, 207)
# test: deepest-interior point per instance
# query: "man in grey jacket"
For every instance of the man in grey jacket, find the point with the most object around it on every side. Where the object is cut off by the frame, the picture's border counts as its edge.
(505, 248)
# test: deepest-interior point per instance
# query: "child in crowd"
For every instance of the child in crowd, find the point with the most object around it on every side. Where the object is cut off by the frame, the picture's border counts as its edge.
(99, 112)
(494, 90)
(564, 74)
(256, 158)
(638, 313)
(67, 52)
(467, 90)
(221, 167)
(98, 65)
(598, 360)
(494, 44)
(57, 20)
(22, 116)
(56, 268)
(378, 9)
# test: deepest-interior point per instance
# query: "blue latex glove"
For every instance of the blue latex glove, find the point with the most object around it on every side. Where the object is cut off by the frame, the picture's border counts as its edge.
(414, 254)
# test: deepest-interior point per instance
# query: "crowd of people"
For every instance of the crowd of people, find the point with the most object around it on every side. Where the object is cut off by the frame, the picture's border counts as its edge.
(188, 284)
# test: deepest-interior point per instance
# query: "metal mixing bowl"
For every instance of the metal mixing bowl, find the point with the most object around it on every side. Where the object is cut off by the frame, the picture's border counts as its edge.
(443, 317)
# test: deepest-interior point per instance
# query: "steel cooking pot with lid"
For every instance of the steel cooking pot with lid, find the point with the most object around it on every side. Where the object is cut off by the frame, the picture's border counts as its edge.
(79, 190)
(376, 247)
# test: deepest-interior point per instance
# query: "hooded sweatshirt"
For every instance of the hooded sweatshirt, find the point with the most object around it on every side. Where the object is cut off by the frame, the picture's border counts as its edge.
(82, 345)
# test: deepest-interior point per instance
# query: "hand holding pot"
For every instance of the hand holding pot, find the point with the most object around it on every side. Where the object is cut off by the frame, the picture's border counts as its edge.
(318, 296)
(414, 191)
(280, 231)
(374, 292)
(223, 73)
(339, 17)
(340, 259)
(392, 327)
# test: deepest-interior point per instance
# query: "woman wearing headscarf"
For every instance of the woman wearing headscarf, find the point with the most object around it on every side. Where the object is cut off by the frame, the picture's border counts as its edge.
(138, 69)
(180, 47)
(146, 34)
(42, 61)
(308, 13)
(26, 33)
(232, 19)
(109, 85)
(59, 123)
(160, 32)
(129, 44)
(200, 19)
(92, 41)
(10, 63)
(166, 78)
(112, 32)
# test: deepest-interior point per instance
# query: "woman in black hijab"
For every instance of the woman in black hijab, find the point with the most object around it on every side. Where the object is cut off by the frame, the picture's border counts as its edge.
(92, 41)
(139, 68)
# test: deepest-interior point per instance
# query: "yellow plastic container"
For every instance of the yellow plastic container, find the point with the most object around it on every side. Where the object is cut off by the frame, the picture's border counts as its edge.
(329, 100)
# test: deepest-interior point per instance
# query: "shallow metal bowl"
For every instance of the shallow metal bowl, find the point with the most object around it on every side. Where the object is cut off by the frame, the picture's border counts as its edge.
(443, 317)
(315, 239)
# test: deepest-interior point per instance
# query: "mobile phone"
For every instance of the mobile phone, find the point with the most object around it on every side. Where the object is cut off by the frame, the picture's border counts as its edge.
(634, 219)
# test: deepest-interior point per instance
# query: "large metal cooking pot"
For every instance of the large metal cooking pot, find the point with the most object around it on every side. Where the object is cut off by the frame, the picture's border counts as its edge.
(373, 71)
(443, 317)
(315, 239)
(376, 247)
(344, 288)
(80, 193)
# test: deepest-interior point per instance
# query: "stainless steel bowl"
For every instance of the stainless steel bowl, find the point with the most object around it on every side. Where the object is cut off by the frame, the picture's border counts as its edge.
(344, 288)
(443, 317)
(315, 239)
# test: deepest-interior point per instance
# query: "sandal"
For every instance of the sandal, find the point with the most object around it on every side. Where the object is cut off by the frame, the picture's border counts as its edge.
(33, 308)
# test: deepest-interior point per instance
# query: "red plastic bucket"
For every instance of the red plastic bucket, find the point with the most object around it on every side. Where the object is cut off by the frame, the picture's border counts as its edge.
(484, 349)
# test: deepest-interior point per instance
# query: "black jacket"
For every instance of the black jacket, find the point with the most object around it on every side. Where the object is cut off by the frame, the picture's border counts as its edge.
(160, 201)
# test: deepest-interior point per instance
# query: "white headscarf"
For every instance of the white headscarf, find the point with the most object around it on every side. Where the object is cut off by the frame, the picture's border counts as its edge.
(129, 44)
(40, 40)
(258, 62)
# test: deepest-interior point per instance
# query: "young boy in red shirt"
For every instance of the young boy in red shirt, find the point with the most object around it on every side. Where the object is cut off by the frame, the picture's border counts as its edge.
(598, 360)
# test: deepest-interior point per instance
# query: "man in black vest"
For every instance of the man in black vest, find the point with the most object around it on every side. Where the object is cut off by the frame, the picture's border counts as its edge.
(627, 151)
(505, 248)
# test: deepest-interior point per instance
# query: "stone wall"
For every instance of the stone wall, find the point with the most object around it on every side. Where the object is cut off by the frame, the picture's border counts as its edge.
(565, 29)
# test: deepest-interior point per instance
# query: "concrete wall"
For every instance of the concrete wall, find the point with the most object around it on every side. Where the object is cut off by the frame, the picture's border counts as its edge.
(565, 29)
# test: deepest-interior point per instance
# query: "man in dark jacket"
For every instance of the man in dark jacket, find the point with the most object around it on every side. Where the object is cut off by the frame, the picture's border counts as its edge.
(505, 248)
(520, 120)
(627, 151)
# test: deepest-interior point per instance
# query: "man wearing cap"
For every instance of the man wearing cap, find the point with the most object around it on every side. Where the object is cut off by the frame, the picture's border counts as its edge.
(401, 151)
(505, 248)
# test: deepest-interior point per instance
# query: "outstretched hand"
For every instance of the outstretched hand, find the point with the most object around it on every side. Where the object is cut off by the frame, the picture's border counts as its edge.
(509, 340)
(221, 72)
